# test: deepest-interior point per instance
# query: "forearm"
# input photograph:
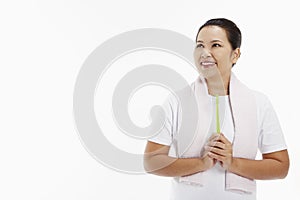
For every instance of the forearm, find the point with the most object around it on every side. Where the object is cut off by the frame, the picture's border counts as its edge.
(165, 165)
(259, 169)
(274, 165)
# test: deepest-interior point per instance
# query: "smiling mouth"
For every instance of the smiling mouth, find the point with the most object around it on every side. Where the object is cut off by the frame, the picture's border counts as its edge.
(207, 64)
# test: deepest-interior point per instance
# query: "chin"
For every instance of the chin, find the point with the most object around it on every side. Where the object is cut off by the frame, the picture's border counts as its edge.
(208, 73)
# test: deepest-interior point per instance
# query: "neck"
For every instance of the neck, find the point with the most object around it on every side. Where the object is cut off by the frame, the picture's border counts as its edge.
(218, 85)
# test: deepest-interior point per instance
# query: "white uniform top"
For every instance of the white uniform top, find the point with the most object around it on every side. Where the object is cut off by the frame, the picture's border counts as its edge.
(270, 140)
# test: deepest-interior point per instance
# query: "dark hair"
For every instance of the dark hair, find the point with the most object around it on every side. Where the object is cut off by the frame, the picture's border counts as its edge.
(234, 34)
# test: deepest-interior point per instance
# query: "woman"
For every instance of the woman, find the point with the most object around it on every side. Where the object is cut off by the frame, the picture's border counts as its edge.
(220, 165)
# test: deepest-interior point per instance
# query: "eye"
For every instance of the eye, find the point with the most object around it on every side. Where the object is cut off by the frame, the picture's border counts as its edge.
(216, 45)
(200, 45)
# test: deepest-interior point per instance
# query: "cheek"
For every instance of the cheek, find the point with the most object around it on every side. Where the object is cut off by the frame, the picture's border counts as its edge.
(224, 56)
(223, 59)
(218, 56)
(197, 53)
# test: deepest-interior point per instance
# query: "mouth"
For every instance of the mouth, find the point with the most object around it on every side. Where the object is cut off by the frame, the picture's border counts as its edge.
(207, 64)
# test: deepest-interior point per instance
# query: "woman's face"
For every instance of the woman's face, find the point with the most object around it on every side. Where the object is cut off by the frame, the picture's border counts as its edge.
(213, 53)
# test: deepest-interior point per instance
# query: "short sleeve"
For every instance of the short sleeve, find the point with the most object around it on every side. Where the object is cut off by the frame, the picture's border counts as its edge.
(165, 135)
(271, 138)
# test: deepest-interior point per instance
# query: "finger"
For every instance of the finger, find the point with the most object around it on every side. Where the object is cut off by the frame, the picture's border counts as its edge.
(216, 156)
(225, 153)
(214, 136)
(217, 151)
(223, 139)
(220, 145)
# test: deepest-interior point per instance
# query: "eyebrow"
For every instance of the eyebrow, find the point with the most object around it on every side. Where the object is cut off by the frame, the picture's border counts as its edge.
(200, 41)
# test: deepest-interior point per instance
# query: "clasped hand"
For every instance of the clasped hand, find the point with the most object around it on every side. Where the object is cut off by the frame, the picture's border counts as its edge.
(218, 148)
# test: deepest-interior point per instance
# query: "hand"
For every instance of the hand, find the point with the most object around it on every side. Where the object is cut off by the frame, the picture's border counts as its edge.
(220, 148)
(207, 160)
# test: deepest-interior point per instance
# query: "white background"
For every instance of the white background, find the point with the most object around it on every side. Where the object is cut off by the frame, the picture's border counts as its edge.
(42, 47)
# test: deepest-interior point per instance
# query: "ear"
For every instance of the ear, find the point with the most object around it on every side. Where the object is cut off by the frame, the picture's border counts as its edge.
(235, 55)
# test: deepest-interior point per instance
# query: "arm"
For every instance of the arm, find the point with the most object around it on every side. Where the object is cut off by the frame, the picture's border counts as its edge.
(273, 165)
(157, 161)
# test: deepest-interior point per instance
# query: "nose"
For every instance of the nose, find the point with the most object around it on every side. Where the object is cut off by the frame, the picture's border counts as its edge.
(205, 53)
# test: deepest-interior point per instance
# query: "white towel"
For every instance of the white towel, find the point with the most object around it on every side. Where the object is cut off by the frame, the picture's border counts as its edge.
(245, 142)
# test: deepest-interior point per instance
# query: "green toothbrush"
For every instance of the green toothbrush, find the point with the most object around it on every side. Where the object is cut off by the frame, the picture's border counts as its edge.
(217, 114)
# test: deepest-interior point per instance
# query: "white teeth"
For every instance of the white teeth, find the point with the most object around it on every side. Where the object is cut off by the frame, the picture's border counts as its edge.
(207, 63)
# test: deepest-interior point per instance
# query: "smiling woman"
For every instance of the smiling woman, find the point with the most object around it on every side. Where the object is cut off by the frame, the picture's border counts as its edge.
(221, 165)
(217, 50)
